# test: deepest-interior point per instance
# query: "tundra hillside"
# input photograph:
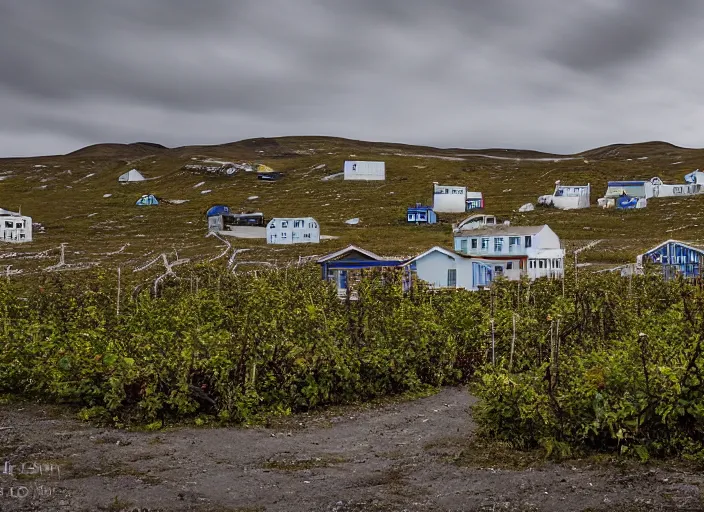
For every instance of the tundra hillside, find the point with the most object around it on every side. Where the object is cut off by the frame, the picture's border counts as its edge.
(66, 195)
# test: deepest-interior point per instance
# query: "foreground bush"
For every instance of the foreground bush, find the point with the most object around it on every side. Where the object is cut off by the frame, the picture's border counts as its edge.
(229, 346)
(623, 374)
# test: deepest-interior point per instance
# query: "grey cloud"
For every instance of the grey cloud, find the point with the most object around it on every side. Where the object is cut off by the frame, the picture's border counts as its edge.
(546, 74)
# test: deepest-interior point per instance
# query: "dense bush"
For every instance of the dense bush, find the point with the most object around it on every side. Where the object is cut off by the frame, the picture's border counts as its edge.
(618, 368)
(607, 363)
(230, 346)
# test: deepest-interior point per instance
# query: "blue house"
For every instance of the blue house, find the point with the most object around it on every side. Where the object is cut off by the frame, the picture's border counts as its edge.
(675, 258)
(343, 267)
(421, 214)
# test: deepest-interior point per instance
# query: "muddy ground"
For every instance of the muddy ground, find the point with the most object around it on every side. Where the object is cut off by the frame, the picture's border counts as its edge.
(416, 456)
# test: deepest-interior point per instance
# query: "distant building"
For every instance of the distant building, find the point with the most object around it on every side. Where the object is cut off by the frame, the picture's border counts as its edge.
(345, 267)
(419, 214)
(455, 199)
(269, 175)
(567, 197)
(510, 251)
(298, 230)
(226, 221)
(14, 227)
(674, 258)
(365, 171)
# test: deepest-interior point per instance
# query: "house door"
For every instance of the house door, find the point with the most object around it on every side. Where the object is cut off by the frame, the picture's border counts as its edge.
(342, 280)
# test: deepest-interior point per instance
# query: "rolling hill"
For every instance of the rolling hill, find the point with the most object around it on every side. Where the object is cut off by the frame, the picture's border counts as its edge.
(66, 194)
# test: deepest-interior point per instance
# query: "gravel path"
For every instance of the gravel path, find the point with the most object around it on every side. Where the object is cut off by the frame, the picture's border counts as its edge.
(401, 456)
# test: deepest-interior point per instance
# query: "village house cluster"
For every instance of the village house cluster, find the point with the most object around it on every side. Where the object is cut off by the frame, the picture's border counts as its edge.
(483, 249)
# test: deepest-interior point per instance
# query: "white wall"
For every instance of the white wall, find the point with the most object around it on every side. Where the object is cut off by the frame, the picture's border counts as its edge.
(433, 268)
(453, 202)
(546, 239)
(366, 171)
(676, 190)
(301, 230)
(15, 228)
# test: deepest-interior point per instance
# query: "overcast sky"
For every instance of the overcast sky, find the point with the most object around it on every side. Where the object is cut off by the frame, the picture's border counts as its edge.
(552, 75)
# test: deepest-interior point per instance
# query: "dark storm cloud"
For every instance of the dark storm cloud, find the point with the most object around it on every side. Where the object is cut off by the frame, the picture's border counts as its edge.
(546, 74)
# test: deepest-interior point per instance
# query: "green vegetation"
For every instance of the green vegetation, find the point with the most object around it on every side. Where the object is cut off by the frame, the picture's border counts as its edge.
(614, 366)
(596, 363)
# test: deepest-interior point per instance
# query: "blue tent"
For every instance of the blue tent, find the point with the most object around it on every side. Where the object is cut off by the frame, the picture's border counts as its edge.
(147, 200)
(626, 202)
(216, 210)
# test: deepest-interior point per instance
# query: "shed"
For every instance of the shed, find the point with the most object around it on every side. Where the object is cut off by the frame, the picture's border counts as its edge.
(365, 171)
(420, 214)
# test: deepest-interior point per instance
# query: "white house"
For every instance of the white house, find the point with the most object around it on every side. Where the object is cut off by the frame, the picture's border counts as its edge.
(481, 255)
(690, 188)
(567, 197)
(14, 227)
(454, 199)
(365, 171)
(299, 230)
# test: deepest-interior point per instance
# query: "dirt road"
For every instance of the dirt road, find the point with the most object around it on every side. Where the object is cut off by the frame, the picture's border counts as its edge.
(406, 456)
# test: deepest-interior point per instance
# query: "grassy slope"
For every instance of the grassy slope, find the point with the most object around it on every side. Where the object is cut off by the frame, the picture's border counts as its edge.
(67, 200)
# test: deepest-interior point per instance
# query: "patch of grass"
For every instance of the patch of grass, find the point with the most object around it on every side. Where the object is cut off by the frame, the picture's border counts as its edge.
(485, 454)
(117, 505)
(304, 464)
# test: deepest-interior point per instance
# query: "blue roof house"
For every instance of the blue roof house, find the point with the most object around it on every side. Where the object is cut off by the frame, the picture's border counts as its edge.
(675, 258)
(419, 214)
(343, 267)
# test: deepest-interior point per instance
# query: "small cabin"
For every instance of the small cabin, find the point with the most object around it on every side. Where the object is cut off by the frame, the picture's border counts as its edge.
(420, 214)
(345, 267)
(674, 258)
(364, 171)
(14, 227)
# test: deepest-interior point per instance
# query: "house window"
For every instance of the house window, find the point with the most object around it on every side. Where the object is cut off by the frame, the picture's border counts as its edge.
(529, 241)
(541, 263)
(509, 265)
(298, 223)
(411, 217)
(8, 225)
(498, 244)
(284, 223)
(485, 244)
(514, 241)
(295, 236)
(474, 243)
(457, 191)
(283, 236)
(306, 235)
(490, 221)
(498, 269)
(451, 277)
(463, 246)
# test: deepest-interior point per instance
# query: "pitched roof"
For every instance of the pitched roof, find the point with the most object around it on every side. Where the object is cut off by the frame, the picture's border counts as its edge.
(349, 248)
(502, 229)
(683, 244)
(437, 248)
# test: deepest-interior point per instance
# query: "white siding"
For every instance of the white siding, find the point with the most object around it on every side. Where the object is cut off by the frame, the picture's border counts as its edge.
(15, 228)
(299, 230)
(449, 199)
(366, 171)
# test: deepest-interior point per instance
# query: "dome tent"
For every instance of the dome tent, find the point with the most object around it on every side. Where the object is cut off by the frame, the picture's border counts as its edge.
(133, 175)
(147, 200)
(216, 210)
